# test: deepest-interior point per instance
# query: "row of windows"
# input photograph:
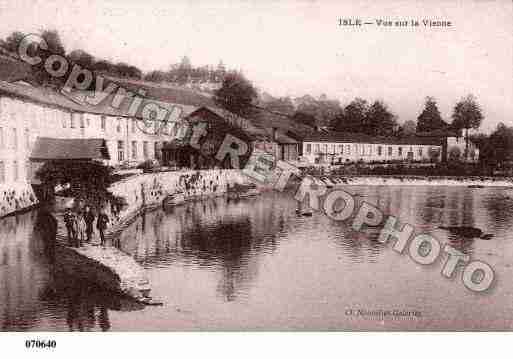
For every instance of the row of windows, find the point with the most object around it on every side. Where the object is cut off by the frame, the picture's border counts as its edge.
(15, 167)
(134, 147)
(363, 150)
(9, 138)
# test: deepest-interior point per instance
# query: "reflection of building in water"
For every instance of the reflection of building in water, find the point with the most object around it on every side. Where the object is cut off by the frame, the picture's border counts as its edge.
(22, 273)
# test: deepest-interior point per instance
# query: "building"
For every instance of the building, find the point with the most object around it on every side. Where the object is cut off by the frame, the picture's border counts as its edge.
(219, 123)
(454, 144)
(29, 114)
(343, 147)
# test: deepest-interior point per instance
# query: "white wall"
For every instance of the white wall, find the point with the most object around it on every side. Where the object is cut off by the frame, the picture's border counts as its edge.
(362, 151)
(22, 122)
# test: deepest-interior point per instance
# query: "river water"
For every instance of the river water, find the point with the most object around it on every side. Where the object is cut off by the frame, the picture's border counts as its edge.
(253, 264)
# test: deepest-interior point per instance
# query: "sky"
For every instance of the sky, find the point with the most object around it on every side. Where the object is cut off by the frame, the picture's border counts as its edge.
(293, 48)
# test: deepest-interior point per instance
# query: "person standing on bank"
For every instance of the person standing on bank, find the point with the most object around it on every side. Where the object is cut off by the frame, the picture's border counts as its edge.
(81, 229)
(69, 221)
(89, 219)
(101, 225)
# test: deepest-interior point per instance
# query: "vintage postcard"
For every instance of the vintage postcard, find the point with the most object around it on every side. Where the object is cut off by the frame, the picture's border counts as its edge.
(255, 166)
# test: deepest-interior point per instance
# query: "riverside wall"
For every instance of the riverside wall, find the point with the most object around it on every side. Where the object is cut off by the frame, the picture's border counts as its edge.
(15, 197)
(149, 190)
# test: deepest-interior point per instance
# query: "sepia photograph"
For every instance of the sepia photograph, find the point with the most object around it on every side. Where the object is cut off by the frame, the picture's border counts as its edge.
(255, 166)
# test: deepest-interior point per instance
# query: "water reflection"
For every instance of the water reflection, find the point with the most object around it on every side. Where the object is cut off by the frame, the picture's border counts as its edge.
(256, 256)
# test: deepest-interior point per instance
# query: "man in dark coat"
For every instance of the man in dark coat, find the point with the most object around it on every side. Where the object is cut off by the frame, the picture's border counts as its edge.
(101, 224)
(69, 221)
(89, 219)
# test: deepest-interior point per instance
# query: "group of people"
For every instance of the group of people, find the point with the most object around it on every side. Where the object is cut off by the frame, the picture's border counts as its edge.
(79, 225)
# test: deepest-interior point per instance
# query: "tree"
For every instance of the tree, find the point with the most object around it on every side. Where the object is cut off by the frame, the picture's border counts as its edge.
(184, 70)
(467, 114)
(55, 47)
(82, 58)
(89, 180)
(379, 121)
(305, 119)
(499, 146)
(282, 105)
(430, 118)
(352, 117)
(12, 41)
(155, 76)
(236, 94)
(408, 128)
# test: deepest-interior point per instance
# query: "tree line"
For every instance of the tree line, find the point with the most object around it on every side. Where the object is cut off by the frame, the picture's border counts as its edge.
(182, 72)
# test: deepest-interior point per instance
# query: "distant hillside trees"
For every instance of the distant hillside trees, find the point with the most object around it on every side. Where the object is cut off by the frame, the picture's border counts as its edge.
(236, 94)
(359, 117)
(430, 118)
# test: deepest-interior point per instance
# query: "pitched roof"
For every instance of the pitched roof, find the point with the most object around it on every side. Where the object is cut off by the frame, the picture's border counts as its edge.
(348, 137)
(50, 97)
(47, 148)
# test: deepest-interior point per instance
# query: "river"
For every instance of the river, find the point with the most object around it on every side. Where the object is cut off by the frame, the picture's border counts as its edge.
(253, 264)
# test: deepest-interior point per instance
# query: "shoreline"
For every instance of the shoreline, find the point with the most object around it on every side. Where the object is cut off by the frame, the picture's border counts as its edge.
(478, 182)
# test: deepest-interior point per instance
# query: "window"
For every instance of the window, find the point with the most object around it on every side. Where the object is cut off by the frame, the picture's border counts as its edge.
(118, 125)
(14, 139)
(390, 150)
(2, 143)
(369, 150)
(63, 120)
(380, 150)
(133, 125)
(134, 149)
(2, 172)
(156, 150)
(317, 148)
(309, 148)
(15, 170)
(333, 148)
(28, 170)
(341, 149)
(145, 149)
(103, 121)
(82, 122)
(121, 151)
(72, 120)
(325, 148)
(27, 138)
(420, 151)
(400, 151)
(348, 149)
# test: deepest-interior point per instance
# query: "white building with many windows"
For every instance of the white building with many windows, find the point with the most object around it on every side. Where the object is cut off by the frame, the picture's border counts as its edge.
(339, 147)
(28, 113)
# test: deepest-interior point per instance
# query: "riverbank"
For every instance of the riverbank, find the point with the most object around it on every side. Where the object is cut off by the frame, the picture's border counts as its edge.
(417, 181)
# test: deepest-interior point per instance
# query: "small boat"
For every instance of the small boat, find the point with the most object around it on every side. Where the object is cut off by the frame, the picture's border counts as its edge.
(174, 199)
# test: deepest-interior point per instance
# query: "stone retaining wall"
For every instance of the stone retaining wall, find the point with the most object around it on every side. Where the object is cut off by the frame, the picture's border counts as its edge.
(16, 197)
(149, 190)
